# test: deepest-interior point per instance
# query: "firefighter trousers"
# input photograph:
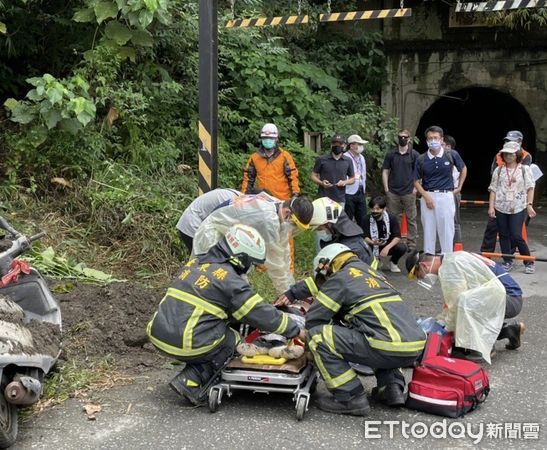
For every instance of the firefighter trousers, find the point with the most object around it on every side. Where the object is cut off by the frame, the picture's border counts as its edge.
(333, 347)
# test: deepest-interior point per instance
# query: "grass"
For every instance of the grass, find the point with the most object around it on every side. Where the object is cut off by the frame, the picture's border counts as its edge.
(73, 380)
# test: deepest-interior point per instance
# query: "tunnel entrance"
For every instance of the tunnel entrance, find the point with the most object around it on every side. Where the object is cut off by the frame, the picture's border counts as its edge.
(478, 121)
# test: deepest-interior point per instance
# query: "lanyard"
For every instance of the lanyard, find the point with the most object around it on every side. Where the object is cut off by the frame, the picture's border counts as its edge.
(510, 177)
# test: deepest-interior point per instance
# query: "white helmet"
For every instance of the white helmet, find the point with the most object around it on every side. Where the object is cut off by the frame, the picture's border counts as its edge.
(269, 131)
(246, 245)
(326, 255)
(325, 211)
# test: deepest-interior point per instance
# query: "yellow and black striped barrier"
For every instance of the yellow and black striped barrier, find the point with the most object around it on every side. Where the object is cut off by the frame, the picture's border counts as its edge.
(365, 15)
(207, 174)
(267, 21)
(499, 5)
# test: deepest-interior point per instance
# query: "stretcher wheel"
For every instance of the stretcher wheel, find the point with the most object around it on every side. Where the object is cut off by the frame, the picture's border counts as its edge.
(214, 400)
(301, 408)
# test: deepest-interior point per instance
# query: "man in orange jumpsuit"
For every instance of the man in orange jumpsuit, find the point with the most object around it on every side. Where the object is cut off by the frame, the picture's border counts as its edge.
(272, 168)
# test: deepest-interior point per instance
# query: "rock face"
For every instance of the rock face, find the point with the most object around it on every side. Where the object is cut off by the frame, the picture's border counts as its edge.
(29, 337)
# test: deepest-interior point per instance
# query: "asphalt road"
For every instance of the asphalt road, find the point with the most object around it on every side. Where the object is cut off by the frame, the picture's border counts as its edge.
(147, 414)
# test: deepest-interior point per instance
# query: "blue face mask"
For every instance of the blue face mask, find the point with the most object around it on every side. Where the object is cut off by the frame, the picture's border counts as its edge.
(268, 143)
(434, 145)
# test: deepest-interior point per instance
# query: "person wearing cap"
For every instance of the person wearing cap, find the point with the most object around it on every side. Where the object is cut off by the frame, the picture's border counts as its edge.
(398, 177)
(334, 171)
(511, 197)
(462, 271)
(357, 317)
(272, 218)
(355, 206)
(490, 233)
(271, 167)
(435, 183)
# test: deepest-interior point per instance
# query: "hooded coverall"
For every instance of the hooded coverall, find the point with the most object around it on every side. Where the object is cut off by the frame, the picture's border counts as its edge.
(380, 332)
(260, 212)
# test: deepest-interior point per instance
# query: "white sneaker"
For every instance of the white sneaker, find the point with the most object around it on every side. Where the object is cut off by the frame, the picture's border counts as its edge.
(394, 268)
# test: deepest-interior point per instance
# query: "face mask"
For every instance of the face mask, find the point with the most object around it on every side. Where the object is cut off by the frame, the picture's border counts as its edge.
(428, 281)
(337, 149)
(324, 235)
(360, 148)
(268, 143)
(403, 141)
(376, 215)
(434, 145)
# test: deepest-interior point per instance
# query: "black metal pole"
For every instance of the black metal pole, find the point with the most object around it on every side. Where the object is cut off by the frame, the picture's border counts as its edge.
(208, 95)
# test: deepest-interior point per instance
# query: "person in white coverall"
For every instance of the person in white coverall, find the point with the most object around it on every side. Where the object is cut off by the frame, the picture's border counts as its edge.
(272, 218)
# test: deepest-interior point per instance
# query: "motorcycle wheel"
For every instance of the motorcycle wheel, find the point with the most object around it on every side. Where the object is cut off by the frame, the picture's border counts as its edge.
(8, 422)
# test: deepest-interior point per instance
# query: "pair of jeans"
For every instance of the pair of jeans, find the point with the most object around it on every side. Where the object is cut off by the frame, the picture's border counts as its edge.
(396, 205)
(510, 231)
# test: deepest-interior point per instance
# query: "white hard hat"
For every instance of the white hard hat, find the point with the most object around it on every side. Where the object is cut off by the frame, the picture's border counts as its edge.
(269, 131)
(356, 139)
(326, 255)
(246, 244)
(325, 211)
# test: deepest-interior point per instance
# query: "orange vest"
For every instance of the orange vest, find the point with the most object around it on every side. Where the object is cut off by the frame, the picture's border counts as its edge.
(277, 174)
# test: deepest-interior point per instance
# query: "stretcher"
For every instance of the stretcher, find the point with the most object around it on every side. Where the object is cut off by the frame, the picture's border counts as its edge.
(297, 377)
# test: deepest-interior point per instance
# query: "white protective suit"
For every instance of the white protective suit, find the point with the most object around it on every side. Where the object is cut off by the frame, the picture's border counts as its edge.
(474, 301)
(260, 212)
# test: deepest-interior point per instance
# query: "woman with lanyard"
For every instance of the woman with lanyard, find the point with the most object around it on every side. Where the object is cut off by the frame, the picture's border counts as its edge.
(511, 196)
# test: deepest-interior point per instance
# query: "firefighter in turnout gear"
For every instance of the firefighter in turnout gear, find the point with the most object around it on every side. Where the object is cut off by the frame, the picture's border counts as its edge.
(191, 323)
(357, 317)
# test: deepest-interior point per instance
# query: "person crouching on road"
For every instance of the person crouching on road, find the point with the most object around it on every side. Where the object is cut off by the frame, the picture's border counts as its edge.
(378, 330)
(191, 323)
(462, 271)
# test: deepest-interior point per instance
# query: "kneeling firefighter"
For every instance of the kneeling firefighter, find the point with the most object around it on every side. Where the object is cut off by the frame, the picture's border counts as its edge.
(376, 329)
(191, 323)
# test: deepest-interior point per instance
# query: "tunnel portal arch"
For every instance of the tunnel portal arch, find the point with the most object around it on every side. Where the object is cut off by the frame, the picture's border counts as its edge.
(478, 122)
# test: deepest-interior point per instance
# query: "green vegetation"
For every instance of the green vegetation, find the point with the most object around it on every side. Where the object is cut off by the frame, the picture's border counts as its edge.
(99, 132)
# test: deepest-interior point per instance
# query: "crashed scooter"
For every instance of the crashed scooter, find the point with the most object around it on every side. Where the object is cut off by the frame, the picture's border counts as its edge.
(30, 331)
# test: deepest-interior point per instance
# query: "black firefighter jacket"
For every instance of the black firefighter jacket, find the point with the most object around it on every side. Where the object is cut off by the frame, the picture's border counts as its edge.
(193, 316)
(362, 299)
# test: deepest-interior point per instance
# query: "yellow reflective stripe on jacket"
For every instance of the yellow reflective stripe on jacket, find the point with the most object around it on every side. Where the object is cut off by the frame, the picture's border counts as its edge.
(189, 328)
(329, 340)
(311, 286)
(402, 347)
(385, 322)
(327, 302)
(368, 302)
(375, 263)
(197, 302)
(177, 351)
(283, 324)
(246, 308)
(332, 383)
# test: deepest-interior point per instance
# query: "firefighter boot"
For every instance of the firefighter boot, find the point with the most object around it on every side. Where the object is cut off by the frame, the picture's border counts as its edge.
(356, 406)
(190, 383)
(390, 395)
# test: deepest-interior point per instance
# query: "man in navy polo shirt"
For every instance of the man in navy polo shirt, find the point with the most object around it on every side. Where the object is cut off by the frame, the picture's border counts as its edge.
(436, 186)
(333, 172)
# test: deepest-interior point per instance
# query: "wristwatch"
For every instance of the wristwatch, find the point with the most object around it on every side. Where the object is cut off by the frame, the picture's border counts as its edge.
(530, 204)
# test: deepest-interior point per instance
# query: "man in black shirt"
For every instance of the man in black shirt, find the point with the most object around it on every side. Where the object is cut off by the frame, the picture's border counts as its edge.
(398, 176)
(383, 234)
(333, 172)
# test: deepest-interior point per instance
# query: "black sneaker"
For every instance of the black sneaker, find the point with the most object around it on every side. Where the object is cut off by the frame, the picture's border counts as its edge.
(356, 406)
(390, 395)
(514, 332)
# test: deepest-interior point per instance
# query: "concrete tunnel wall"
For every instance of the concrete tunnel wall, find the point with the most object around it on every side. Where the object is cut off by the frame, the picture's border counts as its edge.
(427, 60)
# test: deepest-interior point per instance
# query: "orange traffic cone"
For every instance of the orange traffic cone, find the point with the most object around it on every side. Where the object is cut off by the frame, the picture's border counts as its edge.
(458, 246)
(404, 226)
